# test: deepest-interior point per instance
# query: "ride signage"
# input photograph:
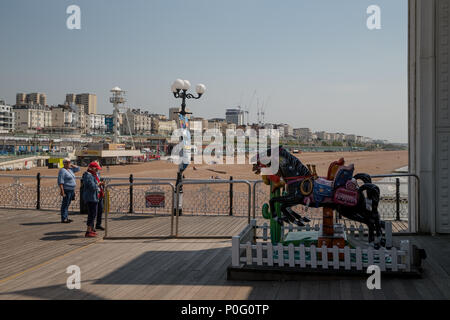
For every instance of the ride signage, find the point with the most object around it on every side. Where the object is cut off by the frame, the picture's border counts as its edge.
(155, 200)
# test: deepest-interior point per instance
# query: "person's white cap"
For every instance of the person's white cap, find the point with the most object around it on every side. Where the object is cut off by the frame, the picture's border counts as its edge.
(66, 160)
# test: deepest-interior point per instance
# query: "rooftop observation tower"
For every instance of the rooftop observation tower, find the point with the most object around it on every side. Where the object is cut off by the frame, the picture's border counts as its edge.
(118, 98)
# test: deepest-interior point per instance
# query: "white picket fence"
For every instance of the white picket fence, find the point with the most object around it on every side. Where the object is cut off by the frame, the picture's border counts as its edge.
(246, 250)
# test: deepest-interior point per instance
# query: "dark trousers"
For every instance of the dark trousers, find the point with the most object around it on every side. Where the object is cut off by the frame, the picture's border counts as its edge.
(68, 196)
(92, 213)
(99, 212)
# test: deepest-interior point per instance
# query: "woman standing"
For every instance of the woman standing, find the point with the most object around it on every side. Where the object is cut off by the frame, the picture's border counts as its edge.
(91, 193)
(67, 183)
(101, 203)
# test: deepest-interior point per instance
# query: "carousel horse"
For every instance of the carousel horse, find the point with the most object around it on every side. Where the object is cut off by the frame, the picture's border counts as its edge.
(339, 191)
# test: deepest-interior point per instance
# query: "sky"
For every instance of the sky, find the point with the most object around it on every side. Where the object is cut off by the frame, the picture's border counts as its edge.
(309, 63)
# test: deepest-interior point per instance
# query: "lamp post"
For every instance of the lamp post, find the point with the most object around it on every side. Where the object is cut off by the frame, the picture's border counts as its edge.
(179, 89)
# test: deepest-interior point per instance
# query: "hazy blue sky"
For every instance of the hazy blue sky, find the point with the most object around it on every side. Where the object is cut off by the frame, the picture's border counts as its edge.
(315, 63)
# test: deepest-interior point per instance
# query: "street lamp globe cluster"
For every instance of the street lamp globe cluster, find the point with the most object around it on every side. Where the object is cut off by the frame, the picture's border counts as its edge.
(180, 88)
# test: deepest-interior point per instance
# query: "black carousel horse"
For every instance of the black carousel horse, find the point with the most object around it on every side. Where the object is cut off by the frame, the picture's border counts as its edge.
(292, 170)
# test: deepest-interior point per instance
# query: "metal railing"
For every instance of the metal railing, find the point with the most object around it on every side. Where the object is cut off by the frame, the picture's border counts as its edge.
(113, 199)
(35, 192)
(108, 188)
(413, 223)
(205, 182)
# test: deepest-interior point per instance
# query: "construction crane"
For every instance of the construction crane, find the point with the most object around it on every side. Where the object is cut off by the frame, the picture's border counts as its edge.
(258, 111)
(263, 110)
(247, 109)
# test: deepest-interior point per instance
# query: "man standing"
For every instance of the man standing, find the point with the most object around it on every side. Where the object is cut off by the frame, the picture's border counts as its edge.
(67, 183)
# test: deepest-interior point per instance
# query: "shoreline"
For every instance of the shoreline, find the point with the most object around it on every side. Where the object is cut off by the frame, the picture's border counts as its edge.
(370, 162)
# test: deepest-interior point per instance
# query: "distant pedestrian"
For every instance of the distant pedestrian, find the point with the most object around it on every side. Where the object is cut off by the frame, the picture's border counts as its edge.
(91, 192)
(67, 183)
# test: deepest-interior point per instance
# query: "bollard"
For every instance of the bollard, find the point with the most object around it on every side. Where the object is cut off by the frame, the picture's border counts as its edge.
(231, 196)
(131, 193)
(38, 191)
(397, 199)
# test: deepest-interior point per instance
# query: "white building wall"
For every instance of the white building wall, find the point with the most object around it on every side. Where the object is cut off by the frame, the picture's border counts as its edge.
(429, 114)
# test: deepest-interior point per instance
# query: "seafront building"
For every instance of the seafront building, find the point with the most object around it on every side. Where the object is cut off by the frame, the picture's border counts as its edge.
(21, 99)
(198, 124)
(32, 118)
(164, 127)
(7, 121)
(36, 98)
(235, 116)
(95, 123)
(156, 118)
(137, 122)
(64, 120)
(88, 100)
(304, 134)
(286, 130)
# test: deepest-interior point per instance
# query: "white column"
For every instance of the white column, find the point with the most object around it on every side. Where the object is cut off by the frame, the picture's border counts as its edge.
(429, 120)
(442, 117)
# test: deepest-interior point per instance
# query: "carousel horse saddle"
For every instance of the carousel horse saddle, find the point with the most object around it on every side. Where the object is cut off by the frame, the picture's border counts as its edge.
(342, 190)
(343, 174)
(322, 189)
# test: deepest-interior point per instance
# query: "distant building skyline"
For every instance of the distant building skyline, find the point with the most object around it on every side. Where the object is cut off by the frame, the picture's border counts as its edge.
(140, 123)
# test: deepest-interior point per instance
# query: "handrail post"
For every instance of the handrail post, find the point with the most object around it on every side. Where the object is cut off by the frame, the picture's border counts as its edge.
(249, 200)
(397, 199)
(231, 196)
(177, 209)
(131, 194)
(254, 197)
(171, 209)
(106, 208)
(38, 191)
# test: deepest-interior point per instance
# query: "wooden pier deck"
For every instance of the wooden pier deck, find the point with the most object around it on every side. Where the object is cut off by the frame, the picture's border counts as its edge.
(35, 250)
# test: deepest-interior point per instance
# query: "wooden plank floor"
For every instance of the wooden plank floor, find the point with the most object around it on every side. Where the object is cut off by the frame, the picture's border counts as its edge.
(35, 250)
(31, 237)
(196, 269)
(149, 225)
